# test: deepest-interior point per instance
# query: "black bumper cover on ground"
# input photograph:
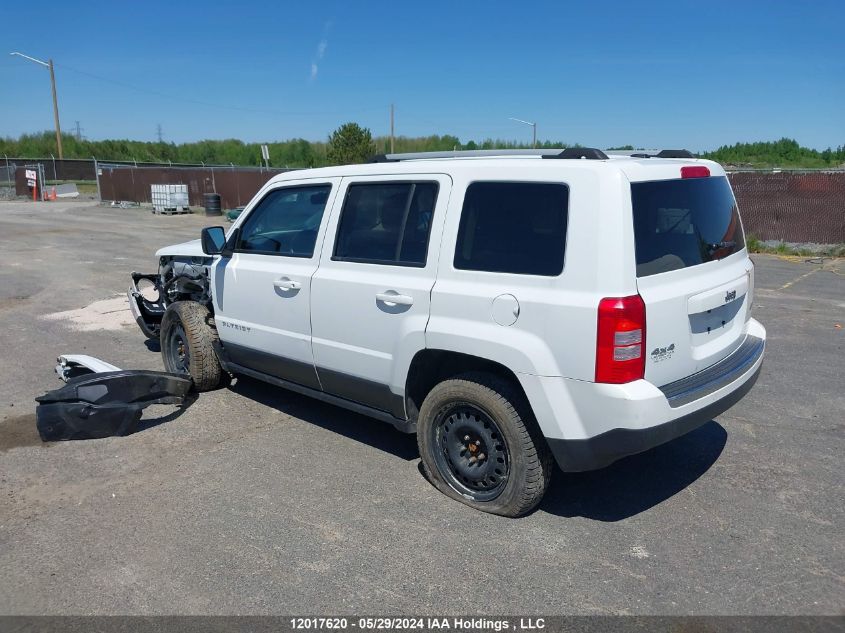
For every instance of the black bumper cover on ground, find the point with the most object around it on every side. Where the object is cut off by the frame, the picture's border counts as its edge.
(602, 450)
(105, 404)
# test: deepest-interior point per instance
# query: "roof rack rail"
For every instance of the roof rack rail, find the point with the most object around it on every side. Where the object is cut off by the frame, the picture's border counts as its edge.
(589, 153)
(654, 153)
(675, 153)
(571, 152)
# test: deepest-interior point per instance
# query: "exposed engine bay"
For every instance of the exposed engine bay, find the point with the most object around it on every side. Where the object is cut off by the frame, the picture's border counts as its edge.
(179, 278)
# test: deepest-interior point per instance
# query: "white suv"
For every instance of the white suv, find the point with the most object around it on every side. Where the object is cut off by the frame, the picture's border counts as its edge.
(514, 309)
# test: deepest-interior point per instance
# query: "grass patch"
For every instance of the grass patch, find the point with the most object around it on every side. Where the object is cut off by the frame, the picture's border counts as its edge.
(755, 245)
(85, 187)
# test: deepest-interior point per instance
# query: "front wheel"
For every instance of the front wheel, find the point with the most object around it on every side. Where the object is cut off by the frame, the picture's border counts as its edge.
(187, 338)
(480, 445)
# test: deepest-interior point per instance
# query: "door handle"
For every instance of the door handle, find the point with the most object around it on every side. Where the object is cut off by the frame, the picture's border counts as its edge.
(287, 284)
(391, 297)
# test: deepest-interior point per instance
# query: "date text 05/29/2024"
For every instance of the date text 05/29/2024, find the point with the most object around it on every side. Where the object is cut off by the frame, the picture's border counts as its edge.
(420, 623)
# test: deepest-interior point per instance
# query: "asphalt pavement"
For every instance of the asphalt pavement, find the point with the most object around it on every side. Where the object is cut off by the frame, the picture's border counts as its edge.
(255, 500)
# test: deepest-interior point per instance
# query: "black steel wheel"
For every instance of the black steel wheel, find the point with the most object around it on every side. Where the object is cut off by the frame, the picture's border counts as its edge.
(177, 350)
(480, 444)
(471, 451)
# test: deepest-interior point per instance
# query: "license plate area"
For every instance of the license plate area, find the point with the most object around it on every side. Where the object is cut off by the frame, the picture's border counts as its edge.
(712, 322)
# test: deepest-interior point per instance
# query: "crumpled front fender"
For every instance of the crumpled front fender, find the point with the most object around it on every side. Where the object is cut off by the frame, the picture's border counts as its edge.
(147, 314)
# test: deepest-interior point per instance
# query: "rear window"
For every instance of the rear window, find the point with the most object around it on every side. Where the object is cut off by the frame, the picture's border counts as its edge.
(386, 223)
(681, 223)
(513, 227)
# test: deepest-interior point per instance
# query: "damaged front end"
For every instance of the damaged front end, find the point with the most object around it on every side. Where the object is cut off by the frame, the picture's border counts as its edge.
(180, 278)
(146, 312)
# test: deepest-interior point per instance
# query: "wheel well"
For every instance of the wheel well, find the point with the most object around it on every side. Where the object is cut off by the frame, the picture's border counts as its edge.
(432, 366)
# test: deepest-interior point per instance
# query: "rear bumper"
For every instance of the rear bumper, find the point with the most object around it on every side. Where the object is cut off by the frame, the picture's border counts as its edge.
(602, 450)
(590, 425)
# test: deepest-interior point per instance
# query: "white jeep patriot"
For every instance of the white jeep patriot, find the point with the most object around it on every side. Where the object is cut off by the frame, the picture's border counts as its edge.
(514, 309)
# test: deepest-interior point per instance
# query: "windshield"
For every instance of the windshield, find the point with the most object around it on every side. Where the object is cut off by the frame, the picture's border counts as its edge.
(681, 223)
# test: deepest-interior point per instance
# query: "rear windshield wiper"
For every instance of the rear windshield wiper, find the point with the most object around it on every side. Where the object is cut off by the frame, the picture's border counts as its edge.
(715, 246)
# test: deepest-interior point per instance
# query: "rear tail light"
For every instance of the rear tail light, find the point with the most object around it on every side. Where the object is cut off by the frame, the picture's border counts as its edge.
(695, 171)
(620, 340)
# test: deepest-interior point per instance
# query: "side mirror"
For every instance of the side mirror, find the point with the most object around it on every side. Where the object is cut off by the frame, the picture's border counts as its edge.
(213, 240)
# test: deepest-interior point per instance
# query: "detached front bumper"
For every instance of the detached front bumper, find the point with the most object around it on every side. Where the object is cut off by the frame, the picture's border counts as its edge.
(102, 404)
(147, 314)
(589, 425)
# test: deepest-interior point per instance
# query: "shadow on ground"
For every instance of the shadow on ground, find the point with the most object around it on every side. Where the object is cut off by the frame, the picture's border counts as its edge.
(624, 489)
(356, 427)
(147, 423)
(637, 483)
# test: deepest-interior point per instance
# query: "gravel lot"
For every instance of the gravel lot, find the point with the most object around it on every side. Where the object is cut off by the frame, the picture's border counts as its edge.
(255, 500)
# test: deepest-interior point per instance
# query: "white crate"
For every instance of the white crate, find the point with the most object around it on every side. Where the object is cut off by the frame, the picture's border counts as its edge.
(170, 198)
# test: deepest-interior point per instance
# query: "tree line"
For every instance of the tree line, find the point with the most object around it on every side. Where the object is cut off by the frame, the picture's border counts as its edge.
(303, 153)
(783, 153)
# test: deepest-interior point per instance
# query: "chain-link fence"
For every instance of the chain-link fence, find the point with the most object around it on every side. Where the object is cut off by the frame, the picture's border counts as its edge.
(793, 206)
(81, 169)
(50, 172)
(7, 180)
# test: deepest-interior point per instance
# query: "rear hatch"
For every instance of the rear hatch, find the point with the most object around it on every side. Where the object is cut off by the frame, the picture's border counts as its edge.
(693, 273)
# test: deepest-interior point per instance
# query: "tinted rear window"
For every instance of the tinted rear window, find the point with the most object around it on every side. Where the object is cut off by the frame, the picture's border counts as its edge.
(513, 227)
(386, 223)
(681, 223)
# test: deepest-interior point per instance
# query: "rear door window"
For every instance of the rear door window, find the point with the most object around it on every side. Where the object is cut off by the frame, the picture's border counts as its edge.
(682, 223)
(386, 223)
(513, 227)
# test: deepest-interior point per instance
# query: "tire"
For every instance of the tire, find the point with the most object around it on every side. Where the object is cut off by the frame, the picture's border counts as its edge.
(187, 337)
(513, 464)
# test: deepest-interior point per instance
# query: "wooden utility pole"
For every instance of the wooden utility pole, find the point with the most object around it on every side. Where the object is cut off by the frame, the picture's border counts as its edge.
(56, 109)
(392, 148)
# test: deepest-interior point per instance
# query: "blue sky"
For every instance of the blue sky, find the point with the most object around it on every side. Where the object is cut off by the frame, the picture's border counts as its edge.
(652, 74)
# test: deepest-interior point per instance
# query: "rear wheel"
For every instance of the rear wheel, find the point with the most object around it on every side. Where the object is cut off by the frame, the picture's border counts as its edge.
(187, 338)
(479, 444)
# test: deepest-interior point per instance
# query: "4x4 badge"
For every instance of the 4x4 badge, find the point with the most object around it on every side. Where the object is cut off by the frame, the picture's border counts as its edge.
(662, 353)
(730, 296)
